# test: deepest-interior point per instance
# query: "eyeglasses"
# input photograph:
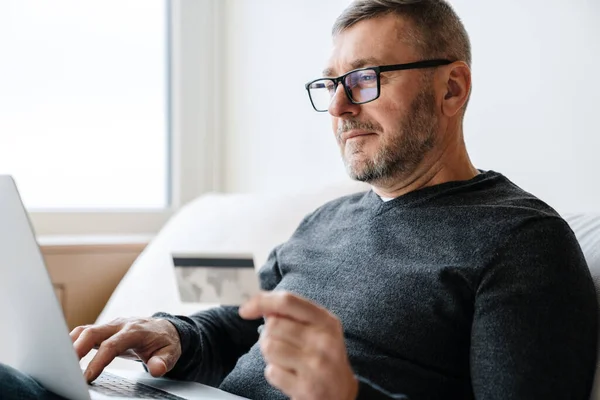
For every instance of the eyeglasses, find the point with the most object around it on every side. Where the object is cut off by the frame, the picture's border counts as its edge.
(361, 85)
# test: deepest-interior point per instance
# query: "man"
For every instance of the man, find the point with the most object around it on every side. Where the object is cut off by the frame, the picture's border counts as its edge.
(443, 281)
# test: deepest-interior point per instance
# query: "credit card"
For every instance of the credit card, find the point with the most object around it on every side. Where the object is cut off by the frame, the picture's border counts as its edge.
(226, 279)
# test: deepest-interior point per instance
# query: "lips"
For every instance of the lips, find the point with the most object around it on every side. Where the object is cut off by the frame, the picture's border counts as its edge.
(353, 134)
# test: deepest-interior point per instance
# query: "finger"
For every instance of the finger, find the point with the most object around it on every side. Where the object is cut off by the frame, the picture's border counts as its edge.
(162, 361)
(157, 367)
(108, 351)
(282, 379)
(284, 355)
(93, 336)
(77, 331)
(293, 332)
(284, 304)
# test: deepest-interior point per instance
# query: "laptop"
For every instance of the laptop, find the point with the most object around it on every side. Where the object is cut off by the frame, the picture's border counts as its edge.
(34, 337)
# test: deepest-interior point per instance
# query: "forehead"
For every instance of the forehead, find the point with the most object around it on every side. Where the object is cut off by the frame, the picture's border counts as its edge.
(376, 41)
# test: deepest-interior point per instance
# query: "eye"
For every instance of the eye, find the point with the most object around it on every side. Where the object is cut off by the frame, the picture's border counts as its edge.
(368, 78)
(362, 79)
(330, 86)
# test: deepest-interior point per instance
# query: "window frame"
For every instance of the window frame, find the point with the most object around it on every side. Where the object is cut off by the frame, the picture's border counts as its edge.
(194, 30)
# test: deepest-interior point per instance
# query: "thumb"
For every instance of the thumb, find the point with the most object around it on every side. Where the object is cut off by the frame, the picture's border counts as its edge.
(160, 363)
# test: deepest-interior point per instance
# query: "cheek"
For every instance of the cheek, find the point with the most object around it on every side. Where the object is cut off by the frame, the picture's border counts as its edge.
(389, 115)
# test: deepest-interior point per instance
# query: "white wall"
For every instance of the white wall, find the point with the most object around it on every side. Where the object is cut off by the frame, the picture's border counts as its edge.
(536, 96)
(533, 113)
(273, 138)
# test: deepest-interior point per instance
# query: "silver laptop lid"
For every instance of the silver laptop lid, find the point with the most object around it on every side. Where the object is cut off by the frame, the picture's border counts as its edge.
(34, 337)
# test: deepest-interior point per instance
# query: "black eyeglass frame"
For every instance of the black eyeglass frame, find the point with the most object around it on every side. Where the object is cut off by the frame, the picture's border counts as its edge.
(378, 70)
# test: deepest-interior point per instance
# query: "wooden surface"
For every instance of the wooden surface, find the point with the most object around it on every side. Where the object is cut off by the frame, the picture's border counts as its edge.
(85, 274)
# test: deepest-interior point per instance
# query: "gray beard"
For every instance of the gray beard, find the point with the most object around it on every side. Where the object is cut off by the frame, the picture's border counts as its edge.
(401, 152)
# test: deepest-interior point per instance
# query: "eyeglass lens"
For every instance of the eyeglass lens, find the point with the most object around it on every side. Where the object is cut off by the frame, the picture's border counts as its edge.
(361, 85)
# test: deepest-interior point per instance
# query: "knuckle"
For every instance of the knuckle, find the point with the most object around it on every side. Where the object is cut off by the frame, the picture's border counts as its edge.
(134, 326)
(140, 321)
(286, 299)
(276, 327)
(108, 346)
(272, 323)
(326, 345)
(163, 326)
(129, 327)
(91, 328)
(266, 346)
(273, 375)
(116, 322)
(269, 374)
(323, 344)
(317, 363)
(88, 333)
(78, 330)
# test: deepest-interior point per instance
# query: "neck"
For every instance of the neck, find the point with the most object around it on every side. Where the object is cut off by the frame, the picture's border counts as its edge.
(446, 163)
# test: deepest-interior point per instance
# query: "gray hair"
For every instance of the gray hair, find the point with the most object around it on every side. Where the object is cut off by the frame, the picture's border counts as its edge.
(437, 30)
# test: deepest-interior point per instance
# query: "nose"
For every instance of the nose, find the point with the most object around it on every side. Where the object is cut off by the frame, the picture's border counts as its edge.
(341, 104)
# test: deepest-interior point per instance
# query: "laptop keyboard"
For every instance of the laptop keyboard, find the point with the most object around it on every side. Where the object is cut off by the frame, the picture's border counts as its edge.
(116, 386)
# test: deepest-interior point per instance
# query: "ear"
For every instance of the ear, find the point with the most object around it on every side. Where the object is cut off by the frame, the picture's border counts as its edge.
(457, 83)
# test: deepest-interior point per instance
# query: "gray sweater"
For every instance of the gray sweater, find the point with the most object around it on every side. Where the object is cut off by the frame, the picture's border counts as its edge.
(465, 290)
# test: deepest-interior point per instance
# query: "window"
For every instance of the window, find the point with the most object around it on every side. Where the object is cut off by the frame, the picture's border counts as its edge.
(84, 103)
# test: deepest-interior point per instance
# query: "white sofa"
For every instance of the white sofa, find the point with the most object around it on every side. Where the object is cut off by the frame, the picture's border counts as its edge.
(254, 223)
(213, 223)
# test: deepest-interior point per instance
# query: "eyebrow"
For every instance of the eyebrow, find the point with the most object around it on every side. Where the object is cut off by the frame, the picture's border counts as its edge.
(356, 64)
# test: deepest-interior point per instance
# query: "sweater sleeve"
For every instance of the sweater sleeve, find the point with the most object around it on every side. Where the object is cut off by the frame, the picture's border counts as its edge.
(534, 331)
(213, 340)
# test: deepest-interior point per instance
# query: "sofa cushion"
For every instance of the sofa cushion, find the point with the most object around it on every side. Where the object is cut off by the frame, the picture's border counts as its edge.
(213, 223)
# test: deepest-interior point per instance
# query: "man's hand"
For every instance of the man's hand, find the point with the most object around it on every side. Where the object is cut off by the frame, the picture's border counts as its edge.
(303, 346)
(155, 341)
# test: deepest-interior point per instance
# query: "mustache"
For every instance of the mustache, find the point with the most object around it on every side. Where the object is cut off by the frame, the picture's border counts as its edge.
(351, 124)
